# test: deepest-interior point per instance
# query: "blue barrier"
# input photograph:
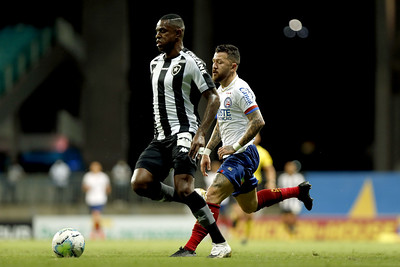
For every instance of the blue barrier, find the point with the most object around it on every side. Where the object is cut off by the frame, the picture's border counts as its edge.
(336, 193)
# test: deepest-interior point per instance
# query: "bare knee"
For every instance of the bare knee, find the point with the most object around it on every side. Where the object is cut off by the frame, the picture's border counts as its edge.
(220, 189)
(141, 180)
(248, 209)
(248, 206)
(184, 185)
(216, 195)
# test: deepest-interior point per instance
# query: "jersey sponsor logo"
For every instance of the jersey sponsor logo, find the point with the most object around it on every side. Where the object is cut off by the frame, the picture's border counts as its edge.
(175, 69)
(200, 63)
(247, 95)
(228, 102)
(224, 115)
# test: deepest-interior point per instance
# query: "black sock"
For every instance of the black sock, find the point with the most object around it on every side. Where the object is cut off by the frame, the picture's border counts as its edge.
(203, 214)
(168, 194)
(162, 192)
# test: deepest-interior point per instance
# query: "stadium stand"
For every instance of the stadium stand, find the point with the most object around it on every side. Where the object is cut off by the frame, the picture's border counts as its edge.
(21, 46)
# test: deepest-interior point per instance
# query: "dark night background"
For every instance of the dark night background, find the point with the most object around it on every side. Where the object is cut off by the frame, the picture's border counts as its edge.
(318, 90)
(316, 94)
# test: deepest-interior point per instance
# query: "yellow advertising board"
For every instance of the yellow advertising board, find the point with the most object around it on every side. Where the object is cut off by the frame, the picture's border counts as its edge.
(320, 228)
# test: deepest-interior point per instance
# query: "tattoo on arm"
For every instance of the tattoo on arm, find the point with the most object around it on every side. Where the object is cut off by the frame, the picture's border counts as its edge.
(256, 122)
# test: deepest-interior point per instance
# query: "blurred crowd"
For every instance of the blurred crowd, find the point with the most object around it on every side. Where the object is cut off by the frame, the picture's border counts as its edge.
(64, 185)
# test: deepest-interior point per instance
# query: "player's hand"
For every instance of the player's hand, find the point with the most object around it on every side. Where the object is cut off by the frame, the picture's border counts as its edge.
(225, 150)
(205, 163)
(197, 142)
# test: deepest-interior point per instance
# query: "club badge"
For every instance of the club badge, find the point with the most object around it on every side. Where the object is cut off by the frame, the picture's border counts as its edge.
(175, 69)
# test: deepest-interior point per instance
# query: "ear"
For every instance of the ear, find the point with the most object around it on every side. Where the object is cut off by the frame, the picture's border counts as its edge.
(179, 32)
(234, 66)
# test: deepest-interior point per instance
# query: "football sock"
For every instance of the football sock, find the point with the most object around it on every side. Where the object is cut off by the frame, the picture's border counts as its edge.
(290, 192)
(204, 216)
(169, 194)
(162, 192)
(199, 232)
(268, 197)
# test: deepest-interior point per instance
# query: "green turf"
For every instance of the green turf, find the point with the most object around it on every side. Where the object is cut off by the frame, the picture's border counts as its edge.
(155, 253)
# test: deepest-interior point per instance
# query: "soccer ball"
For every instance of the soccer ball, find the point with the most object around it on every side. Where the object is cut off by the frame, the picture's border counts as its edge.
(68, 242)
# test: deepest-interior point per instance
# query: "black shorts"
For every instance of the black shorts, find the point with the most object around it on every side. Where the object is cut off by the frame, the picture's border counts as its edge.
(162, 155)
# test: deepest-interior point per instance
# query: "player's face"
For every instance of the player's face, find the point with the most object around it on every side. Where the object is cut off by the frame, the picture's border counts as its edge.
(165, 36)
(221, 67)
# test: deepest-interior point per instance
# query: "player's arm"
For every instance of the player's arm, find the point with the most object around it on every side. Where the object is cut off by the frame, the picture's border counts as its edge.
(256, 122)
(270, 174)
(85, 187)
(215, 139)
(108, 189)
(212, 98)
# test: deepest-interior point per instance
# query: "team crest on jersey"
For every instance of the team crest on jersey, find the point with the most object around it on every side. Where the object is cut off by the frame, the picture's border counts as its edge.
(175, 69)
(227, 102)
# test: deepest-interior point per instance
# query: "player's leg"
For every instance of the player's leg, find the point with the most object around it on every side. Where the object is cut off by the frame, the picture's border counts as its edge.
(268, 197)
(97, 231)
(185, 168)
(146, 185)
(205, 218)
(151, 168)
(220, 189)
(143, 183)
(248, 201)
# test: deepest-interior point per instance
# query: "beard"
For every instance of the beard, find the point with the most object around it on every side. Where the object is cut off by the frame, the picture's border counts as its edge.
(217, 78)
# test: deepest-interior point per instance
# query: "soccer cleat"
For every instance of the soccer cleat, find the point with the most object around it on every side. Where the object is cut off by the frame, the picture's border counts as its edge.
(221, 250)
(182, 252)
(305, 195)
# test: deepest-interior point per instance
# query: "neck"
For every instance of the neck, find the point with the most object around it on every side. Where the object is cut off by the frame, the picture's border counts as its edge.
(175, 50)
(227, 81)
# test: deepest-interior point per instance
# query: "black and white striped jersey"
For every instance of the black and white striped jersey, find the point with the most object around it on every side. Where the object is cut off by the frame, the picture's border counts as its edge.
(173, 81)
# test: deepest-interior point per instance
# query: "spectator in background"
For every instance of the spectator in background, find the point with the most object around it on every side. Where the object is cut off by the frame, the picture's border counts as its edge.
(266, 170)
(121, 175)
(96, 185)
(60, 174)
(290, 207)
(15, 173)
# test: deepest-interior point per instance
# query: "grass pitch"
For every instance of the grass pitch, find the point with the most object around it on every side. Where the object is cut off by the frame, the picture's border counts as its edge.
(156, 253)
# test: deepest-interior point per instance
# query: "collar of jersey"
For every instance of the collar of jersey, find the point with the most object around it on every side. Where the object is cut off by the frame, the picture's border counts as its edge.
(171, 58)
(223, 89)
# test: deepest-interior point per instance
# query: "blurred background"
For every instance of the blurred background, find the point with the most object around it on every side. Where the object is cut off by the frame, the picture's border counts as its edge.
(74, 85)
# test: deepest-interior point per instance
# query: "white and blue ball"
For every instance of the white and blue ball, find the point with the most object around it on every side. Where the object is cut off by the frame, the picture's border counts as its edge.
(68, 242)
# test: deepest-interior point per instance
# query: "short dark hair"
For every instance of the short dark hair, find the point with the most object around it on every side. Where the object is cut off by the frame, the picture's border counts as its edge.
(174, 20)
(231, 50)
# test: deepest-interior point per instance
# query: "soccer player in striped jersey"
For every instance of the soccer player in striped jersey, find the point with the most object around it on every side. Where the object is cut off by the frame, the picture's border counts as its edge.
(238, 122)
(176, 75)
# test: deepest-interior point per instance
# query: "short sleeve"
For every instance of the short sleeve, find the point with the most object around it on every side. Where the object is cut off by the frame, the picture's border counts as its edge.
(246, 100)
(199, 74)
